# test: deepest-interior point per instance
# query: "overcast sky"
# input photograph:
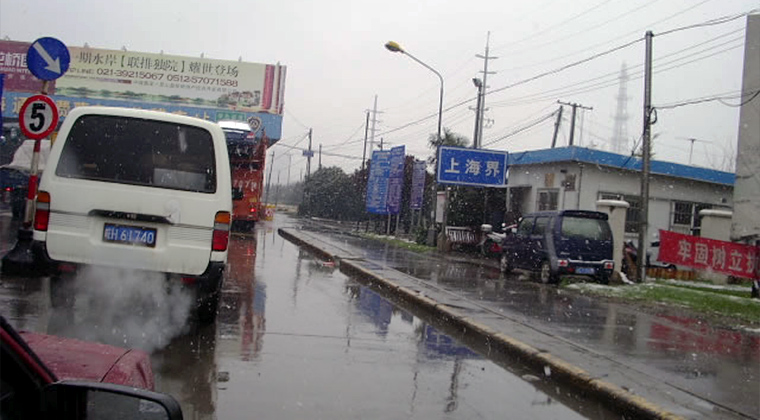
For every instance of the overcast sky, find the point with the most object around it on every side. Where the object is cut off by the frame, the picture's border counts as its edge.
(337, 63)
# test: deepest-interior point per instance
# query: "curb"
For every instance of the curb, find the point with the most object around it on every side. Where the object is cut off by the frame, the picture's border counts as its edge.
(613, 396)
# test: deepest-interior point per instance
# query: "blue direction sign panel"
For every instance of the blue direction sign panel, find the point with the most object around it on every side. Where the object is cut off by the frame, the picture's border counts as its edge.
(396, 179)
(377, 184)
(476, 167)
(48, 58)
(418, 185)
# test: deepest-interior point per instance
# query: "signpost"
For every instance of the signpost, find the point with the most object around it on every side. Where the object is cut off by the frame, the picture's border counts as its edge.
(47, 59)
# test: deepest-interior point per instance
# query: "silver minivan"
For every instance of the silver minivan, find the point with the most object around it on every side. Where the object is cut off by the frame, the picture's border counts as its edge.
(138, 190)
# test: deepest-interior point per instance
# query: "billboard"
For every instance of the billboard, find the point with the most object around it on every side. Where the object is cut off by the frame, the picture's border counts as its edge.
(201, 87)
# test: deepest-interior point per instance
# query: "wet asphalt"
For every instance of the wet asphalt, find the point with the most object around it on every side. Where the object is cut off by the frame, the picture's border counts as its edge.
(714, 367)
(294, 338)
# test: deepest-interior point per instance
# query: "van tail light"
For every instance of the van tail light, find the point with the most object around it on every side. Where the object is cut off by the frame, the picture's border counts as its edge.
(221, 234)
(562, 263)
(609, 265)
(42, 211)
(253, 209)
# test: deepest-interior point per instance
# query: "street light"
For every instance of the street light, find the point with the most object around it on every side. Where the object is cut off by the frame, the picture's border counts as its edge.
(395, 47)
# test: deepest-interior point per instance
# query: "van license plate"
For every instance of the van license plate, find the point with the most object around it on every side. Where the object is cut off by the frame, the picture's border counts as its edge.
(585, 270)
(131, 235)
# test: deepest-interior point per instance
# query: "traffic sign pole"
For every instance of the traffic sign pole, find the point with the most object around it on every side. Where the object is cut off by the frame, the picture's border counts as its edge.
(47, 59)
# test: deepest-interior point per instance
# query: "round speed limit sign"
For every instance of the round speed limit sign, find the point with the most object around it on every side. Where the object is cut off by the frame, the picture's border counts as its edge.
(38, 117)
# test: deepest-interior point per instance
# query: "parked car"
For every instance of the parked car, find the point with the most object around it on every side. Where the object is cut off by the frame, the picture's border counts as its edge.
(138, 190)
(50, 377)
(553, 244)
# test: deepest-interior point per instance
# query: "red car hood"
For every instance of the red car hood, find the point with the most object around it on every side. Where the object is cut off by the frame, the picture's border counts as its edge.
(73, 359)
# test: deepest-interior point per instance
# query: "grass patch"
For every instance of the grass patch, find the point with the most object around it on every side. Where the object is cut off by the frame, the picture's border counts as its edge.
(412, 246)
(708, 289)
(701, 300)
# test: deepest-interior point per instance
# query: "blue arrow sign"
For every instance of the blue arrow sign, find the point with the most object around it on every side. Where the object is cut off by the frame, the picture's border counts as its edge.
(48, 58)
(476, 167)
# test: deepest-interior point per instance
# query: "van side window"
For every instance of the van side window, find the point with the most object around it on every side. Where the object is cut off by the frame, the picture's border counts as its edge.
(541, 223)
(526, 225)
(139, 152)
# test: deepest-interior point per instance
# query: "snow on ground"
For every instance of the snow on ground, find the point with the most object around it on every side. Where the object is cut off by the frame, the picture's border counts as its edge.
(733, 287)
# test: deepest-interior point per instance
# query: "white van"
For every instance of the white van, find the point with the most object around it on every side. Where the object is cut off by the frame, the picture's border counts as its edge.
(138, 190)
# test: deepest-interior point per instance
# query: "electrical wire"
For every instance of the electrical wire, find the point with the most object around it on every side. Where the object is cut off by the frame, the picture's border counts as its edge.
(610, 40)
(519, 130)
(717, 21)
(711, 99)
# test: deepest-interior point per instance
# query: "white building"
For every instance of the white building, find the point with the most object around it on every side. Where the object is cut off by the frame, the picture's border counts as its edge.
(575, 178)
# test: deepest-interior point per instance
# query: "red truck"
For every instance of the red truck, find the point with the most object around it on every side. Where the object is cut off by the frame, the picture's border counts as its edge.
(50, 377)
(247, 161)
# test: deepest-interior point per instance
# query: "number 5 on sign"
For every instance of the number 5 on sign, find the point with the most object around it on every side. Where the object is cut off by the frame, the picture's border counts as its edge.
(38, 117)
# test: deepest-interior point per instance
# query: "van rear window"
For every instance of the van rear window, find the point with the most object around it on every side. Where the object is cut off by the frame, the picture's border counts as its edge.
(585, 228)
(140, 152)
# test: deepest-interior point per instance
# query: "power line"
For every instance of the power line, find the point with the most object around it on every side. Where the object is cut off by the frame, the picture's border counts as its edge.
(609, 40)
(711, 99)
(570, 65)
(711, 22)
(521, 129)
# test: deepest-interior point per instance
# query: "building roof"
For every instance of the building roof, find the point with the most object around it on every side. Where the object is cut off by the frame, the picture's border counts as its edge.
(599, 157)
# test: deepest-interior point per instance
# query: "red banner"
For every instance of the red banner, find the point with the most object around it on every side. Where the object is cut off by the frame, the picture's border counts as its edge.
(709, 254)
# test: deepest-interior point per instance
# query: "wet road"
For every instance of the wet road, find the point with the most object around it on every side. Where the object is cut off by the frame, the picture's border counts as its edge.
(719, 364)
(294, 338)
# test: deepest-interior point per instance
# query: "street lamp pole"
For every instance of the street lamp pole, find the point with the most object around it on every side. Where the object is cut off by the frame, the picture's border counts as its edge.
(395, 47)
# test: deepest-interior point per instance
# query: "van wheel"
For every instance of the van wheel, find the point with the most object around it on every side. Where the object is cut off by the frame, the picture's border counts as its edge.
(546, 274)
(62, 291)
(505, 264)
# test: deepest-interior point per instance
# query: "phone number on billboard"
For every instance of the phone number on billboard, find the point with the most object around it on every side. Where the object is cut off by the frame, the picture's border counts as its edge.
(201, 80)
(131, 74)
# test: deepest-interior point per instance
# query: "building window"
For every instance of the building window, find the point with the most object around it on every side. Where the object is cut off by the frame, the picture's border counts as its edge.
(682, 213)
(547, 200)
(686, 214)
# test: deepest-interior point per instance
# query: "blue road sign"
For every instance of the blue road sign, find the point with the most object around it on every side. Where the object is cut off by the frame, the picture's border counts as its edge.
(377, 184)
(48, 58)
(396, 179)
(418, 185)
(476, 167)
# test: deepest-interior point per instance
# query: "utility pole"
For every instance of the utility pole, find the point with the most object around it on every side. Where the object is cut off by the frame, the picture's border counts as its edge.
(277, 190)
(366, 131)
(374, 122)
(479, 84)
(308, 157)
(320, 156)
(289, 165)
(572, 118)
(556, 126)
(269, 179)
(381, 143)
(306, 196)
(482, 94)
(646, 150)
